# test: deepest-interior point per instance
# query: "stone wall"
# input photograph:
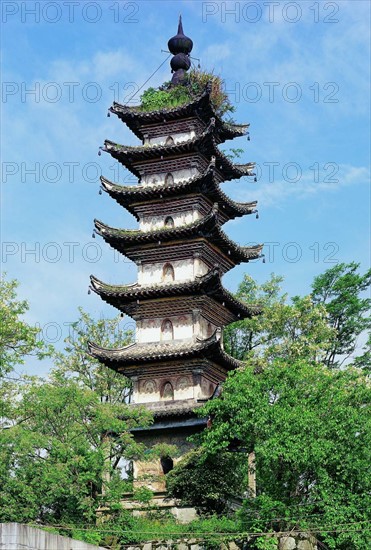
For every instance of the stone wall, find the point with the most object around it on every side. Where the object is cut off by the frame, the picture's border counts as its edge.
(15, 536)
(297, 541)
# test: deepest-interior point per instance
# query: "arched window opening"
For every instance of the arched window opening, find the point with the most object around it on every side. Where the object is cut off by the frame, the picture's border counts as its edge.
(168, 391)
(168, 274)
(154, 180)
(169, 141)
(169, 179)
(169, 222)
(167, 464)
(167, 330)
(209, 330)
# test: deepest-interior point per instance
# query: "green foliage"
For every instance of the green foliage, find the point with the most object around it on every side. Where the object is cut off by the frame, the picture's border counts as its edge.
(75, 362)
(196, 480)
(142, 494)
(233, 153)
(59, 461)
(283, 330)
(17, 338)
(154, 100)
(168, 96)
(340, 290)
(310, 429)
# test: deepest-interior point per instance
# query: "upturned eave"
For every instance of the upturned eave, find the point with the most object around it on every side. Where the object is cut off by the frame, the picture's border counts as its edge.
(206, 228)
(137, 355)
(206, 183)
(200, 107)
(130, 297)
(203, 143)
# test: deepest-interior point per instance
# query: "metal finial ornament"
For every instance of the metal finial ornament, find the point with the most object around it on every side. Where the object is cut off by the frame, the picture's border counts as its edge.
(180, 46)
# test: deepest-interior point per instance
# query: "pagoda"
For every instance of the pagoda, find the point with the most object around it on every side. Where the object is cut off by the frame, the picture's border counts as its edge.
(178, 302)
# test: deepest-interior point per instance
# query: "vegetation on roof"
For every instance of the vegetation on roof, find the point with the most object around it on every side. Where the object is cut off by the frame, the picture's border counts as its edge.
(168, 96)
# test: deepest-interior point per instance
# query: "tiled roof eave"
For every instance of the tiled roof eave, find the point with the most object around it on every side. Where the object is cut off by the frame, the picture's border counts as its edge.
(205, 183)
(137, 354)
(205, 227)
(200, 106)
(209, 284)
(205, 143)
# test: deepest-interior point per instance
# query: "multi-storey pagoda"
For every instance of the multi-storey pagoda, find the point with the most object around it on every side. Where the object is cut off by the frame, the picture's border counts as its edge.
(179, 303)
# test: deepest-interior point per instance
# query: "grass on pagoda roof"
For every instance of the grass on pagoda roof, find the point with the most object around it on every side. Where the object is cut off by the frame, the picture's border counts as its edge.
(169, 97)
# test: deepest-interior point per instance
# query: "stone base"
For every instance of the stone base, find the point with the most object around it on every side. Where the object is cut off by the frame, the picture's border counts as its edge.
(183, 514)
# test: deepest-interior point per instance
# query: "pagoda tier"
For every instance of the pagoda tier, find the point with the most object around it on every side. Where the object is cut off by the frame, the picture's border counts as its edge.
(147, 160)
(205, 293)
(137, 199)
(129, 242)
(156, 358)
(191, 116)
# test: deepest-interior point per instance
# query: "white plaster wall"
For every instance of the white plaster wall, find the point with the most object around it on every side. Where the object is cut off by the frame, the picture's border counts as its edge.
(178, 138)
(199, 268)
(149, 390)
(178, 175)
(149, 330)
(184, 387)
(150, 223)
(204, 325)
(150, 274)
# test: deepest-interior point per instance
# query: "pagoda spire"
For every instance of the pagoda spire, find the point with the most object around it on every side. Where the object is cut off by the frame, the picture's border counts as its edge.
(180, 46)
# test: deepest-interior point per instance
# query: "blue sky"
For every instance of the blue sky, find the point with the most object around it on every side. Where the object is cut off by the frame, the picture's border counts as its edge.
(298, 72)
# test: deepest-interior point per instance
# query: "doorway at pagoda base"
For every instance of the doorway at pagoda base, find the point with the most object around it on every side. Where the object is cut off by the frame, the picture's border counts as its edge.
(152, 473)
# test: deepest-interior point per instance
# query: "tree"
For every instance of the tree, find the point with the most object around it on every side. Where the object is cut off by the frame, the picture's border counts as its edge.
(288, 331)
(17, 338)
(62, 451)
(310, 429)
(54, 457)
(74, 362)
(197, 481)
(339, 289)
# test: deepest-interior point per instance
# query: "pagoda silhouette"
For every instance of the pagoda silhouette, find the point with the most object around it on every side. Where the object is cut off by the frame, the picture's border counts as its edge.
(179, 303)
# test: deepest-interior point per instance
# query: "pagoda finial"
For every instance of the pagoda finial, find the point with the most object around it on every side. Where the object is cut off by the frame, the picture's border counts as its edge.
(180, 26)
(180, 46)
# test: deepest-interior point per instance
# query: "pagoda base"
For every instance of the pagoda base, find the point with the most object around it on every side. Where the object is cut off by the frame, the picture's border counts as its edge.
(159, 503)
